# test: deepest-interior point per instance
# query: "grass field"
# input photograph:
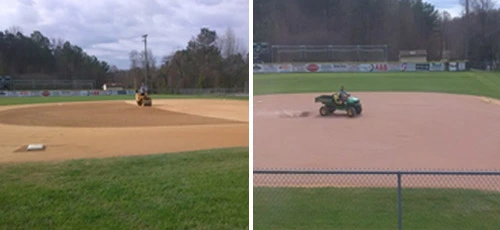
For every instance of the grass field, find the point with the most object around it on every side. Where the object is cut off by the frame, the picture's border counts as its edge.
(358, 208)
(35, 100)
(473, 83)
(197, 190)
(351, 208)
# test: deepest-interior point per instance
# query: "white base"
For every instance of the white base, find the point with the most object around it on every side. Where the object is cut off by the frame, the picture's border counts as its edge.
(35, 147)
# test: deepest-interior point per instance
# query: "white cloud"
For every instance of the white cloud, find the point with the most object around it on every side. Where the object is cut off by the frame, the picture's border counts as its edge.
(111, 29)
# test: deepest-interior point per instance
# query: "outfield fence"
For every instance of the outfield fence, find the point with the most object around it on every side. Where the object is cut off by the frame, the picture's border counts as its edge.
(34, 84)
(357, 67)
(115, 92)
(236, 91)
(416, 195)
(212, 91)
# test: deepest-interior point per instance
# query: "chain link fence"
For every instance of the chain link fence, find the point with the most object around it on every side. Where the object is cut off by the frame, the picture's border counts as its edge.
(237, 91)
(376, 200)
(34, 84)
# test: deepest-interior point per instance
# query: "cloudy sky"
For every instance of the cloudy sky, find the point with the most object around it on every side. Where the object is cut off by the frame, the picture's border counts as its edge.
(452, 6)
(110, 29)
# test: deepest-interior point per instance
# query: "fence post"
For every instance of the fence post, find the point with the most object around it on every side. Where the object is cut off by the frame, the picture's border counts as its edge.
(400, 209)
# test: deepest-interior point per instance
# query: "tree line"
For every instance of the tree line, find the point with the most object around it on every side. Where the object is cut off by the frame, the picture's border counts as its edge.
(37, 56)
(208, 61)
(400, 24)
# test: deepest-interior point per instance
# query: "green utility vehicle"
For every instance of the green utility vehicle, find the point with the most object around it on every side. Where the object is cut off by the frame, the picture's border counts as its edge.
(331, 103)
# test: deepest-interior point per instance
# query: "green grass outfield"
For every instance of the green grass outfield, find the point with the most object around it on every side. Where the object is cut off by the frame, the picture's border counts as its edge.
(473, 83)
(359, 208)
(36, 100)
(372, 208)
(195, 190)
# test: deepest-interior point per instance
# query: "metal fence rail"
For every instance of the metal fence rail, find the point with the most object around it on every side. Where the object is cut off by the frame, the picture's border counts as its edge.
(34, 84)
(206, 91)
(428, 199)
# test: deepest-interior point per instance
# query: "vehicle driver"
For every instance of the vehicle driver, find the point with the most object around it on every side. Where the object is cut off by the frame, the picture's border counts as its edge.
(343, 94)
(144, 89)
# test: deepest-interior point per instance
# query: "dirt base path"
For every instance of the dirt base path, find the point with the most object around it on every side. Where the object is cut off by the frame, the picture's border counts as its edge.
(396, 131)
(118, 128)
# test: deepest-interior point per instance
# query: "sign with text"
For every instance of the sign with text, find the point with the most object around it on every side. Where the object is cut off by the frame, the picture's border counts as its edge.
(344, 67)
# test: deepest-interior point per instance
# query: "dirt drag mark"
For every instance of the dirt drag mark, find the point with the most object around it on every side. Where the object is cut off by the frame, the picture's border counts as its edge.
(397, 131)
(118, 128)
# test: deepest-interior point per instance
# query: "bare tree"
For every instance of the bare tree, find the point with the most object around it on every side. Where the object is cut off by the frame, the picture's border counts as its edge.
(482, 5)
(151, 59)
(15, 29)
(229, 44)
(134, 59)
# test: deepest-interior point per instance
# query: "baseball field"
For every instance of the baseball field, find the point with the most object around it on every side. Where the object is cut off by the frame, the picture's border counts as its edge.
(110, 164)
(410, 121)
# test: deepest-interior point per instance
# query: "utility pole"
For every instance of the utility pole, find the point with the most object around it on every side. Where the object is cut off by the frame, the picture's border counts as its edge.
(145, 37)
(466, 30)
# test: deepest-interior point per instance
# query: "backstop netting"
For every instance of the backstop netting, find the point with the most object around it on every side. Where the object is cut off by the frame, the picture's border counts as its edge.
(329, 53)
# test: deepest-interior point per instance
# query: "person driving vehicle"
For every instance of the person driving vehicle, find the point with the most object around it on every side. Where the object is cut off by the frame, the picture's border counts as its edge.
(343, 94)
(144, 89)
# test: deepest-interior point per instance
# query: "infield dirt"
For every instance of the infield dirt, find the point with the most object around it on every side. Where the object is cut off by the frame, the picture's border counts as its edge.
(396, 131)
(121, 128)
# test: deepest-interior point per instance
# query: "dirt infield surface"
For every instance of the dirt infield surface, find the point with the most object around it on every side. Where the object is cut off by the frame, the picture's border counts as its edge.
(396, 131)
(117, 128)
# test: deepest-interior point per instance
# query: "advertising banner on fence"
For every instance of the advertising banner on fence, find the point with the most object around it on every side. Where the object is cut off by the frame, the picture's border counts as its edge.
(382, 67)
(377, 67)
(436, 66)
(265, 68)
(394, 67)
(64, 93)
(457, 66)
(313, 68)
(365, 67)
(340, 67)
(320, 68)
(7, 93)
(453, 66)
(406, 67)
(461, 66)
(285, 68)
(343, 67)
(422, 66)
(23, 94)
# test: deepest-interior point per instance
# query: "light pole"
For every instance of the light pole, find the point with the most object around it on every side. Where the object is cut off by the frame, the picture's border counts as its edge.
(466, 30)
(145, 37)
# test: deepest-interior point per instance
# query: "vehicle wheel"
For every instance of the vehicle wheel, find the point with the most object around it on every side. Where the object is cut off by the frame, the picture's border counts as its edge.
(359, 110)
(351, 112)
(139, 103)
(323, 111)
